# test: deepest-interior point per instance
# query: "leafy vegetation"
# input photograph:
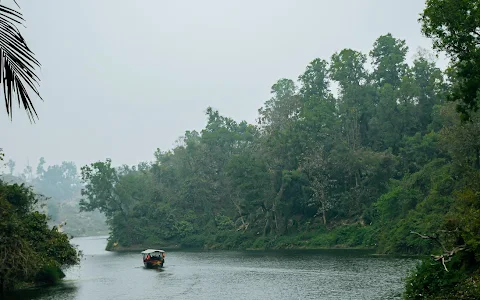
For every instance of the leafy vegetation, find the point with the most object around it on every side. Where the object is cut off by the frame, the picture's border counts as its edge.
(30, 251)
(17, 68)
(453, 26)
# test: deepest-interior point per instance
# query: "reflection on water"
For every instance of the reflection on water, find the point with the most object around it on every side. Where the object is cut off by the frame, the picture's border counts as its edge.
(328, 274)
(62, 291)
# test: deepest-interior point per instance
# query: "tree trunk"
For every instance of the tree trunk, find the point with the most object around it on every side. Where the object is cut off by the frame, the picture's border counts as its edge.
(268, 223)
(239, 210)
(324, 205)
(324, 213)
(279, 229)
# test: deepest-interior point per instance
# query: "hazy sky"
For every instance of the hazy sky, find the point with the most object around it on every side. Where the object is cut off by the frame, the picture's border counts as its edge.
(121, 78)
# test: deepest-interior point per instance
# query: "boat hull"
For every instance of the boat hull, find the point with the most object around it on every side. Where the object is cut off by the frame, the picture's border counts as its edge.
(153, 264)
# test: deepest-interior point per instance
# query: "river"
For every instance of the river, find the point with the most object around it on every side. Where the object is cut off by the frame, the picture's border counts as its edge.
(325, 274)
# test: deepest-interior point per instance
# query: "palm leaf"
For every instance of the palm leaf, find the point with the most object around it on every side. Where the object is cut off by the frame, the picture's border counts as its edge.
(17, 64)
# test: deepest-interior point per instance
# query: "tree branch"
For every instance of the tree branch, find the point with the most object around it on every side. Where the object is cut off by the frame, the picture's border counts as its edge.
(427, 237)
(447, 255)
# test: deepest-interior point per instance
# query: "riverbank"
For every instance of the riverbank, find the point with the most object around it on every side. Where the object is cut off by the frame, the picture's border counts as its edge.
(344, 237)
(166, 248)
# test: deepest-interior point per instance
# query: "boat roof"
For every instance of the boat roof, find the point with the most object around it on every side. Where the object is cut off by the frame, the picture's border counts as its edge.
(151, 251)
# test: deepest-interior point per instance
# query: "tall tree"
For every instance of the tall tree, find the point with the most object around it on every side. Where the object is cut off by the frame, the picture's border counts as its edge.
(430, 87)
(388, 55)
(315, 81)
(453, 25)
(316, 169)
(282, 107)
(348, 69)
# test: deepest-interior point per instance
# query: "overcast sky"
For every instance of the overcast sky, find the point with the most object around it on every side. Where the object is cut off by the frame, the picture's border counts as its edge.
(121, 78)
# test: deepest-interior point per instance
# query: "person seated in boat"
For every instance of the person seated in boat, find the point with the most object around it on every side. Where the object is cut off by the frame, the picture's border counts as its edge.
(148, 257)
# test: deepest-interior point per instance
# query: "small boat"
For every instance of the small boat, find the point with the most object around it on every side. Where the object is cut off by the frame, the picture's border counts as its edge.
(153, 258)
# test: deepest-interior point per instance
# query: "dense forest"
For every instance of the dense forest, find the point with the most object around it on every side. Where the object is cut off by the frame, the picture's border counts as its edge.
(316, 161)
(382, 162)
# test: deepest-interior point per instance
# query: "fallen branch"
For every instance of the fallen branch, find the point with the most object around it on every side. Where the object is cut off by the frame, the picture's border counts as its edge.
(428, 237)
(447, 255)
(244, 226)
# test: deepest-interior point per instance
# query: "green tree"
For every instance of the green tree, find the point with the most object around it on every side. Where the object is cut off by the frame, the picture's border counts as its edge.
(392, 104)
(30, 250)
(100, 180)
(117, 193)
(388, 55)
(282, 107)
(315, 80)
(461, 140)
(356, 96)
(429, 86)
(453, 27)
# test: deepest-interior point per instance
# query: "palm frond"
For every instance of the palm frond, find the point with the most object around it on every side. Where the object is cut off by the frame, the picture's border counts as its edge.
(17, 64)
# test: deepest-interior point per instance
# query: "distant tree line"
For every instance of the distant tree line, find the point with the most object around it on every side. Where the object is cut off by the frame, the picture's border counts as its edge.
(61, 185)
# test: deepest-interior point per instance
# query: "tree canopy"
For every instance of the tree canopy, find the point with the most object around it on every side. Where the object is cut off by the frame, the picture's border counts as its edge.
(30, 251)
(454, 28)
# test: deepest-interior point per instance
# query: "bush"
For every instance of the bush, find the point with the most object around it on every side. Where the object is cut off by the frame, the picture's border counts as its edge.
(24, 232)
(50, 274)
(224, 223)
(259, 243)
(193, 241)
(429, 280)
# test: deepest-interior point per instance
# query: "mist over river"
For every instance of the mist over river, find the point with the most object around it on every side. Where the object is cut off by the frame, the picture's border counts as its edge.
(319, 274)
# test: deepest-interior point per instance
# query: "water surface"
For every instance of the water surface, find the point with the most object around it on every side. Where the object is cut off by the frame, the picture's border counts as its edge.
(326, 274)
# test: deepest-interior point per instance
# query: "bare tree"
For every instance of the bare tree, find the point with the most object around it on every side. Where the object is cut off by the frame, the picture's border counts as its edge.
(315, 166)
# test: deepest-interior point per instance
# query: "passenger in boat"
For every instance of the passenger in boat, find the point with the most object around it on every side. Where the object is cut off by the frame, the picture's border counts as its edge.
(148, 257)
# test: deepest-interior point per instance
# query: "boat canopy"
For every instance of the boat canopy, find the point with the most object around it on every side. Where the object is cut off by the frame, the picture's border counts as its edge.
(148, 251)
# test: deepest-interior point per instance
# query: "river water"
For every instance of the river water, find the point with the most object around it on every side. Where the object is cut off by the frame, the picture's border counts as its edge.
(326, 274)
